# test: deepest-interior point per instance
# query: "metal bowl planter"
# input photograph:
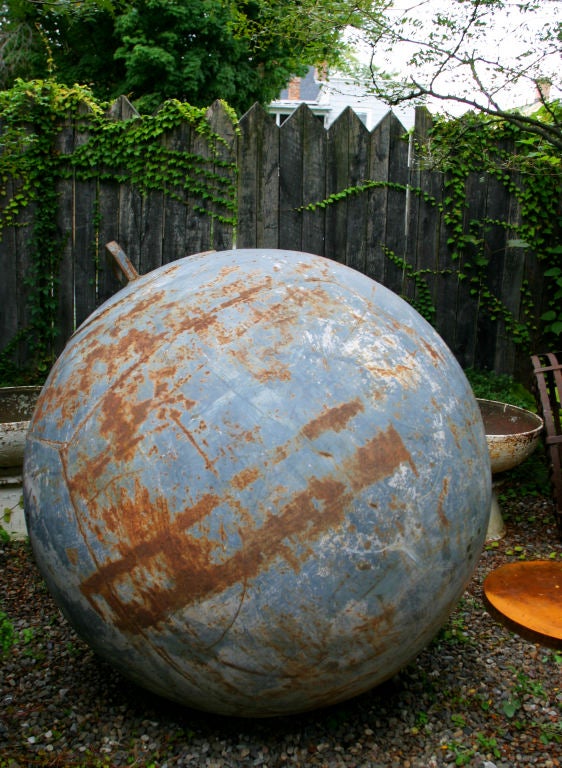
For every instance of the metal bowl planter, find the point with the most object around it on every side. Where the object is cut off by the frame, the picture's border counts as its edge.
(16, 409)
(512, 433)
(257, 482)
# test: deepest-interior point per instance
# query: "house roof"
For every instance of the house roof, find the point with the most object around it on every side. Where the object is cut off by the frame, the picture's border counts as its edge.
(331, 96)
(309, 87)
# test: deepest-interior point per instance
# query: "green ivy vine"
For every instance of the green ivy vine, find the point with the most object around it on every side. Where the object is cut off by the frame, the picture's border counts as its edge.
(422, 300)
(133, 152)
(29, 169)
(530, 171)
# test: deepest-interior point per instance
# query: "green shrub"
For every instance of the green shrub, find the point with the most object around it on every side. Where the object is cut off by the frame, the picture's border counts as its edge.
(499, 386)
(7, 634)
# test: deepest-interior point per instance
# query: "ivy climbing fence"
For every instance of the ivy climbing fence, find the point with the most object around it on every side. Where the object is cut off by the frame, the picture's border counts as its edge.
(363, 198)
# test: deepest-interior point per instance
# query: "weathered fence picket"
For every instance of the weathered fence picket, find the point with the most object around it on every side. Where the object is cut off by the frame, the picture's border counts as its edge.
(258, 181)
(393, 231)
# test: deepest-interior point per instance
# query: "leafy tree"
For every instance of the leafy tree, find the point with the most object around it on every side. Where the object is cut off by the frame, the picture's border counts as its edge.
(22, 50)
(475, 53)
(241, 51)
(191, 51)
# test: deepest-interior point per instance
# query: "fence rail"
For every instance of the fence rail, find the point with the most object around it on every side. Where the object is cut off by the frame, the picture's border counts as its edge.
(389, 231)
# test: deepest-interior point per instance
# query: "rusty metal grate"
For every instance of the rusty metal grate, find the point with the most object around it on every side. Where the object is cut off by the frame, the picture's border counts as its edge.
(548, 391)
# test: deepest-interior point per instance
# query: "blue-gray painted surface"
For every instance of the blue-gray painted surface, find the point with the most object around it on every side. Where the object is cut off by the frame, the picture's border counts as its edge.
(257, 482)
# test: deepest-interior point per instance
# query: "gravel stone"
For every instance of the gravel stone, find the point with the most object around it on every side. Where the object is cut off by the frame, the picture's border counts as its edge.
(478, 695)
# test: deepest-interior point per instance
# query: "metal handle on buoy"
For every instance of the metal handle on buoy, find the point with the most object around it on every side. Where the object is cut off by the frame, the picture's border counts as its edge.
(122, 261)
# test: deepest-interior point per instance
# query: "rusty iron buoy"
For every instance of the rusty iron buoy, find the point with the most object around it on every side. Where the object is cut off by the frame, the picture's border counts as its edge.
(257, 482)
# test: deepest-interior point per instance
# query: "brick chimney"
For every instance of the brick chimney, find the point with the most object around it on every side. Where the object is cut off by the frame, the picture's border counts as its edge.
(294, 89)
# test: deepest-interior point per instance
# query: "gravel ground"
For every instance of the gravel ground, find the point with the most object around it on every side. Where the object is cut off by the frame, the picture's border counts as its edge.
(477, 696)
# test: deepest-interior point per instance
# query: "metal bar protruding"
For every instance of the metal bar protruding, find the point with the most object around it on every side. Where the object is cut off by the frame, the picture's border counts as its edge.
(122, 261)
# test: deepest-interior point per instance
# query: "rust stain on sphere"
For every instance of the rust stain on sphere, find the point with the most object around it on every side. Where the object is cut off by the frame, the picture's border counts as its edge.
(257, 482)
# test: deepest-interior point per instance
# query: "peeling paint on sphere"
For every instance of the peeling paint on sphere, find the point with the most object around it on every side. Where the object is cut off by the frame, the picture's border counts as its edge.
(257, 482)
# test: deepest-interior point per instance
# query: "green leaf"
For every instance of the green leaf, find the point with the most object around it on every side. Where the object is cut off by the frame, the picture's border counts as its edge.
(511, 707)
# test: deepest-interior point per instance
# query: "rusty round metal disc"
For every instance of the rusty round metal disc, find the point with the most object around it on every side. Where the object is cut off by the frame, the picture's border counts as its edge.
(527, 598)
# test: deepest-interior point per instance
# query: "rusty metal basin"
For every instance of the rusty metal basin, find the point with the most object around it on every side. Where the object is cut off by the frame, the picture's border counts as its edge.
(512, 433)
(257, 482)
(16, 409)
(525, 596)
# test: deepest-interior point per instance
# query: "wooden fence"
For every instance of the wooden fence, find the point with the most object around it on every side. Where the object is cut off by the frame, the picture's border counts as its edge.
(395, 236)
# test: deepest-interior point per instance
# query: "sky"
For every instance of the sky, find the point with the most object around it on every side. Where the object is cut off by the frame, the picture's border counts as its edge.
(508, 35)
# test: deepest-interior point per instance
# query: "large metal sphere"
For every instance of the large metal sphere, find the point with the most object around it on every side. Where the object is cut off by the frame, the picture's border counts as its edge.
(257, 482)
